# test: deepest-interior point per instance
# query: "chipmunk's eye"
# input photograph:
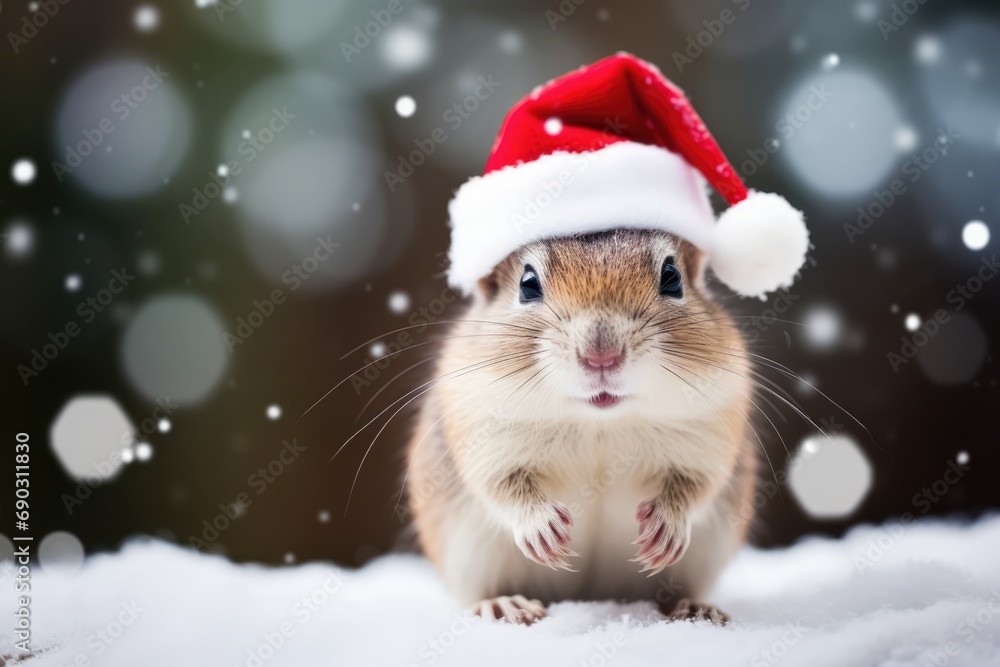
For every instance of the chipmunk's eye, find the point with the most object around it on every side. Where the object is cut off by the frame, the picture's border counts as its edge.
(670, 280)
(531, 286)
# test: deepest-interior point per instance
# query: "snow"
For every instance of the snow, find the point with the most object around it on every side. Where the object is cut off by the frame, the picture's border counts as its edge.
(975, 235)
(23, 171)
(406, 106)
(923, 593)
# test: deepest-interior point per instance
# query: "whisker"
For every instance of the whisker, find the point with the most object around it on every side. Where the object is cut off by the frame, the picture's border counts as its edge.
(801, 413)
(725, 416)
(760, 410)
(461, 371)
(394, 378)
(389, 420)
(402, 487)
(772, 364)
(392, 354)
(436, 323)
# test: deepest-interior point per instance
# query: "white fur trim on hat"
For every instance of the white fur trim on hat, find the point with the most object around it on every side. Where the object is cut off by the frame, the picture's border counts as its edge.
(625, 185)
(759, 244)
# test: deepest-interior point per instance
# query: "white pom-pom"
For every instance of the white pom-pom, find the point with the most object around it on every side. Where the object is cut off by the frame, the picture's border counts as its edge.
(759, 244)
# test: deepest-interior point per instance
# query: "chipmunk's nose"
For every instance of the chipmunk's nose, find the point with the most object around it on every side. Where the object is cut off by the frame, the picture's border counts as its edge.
(601, 360)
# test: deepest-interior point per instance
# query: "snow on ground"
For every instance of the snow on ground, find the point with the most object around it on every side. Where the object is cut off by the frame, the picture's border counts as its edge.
(922, 594)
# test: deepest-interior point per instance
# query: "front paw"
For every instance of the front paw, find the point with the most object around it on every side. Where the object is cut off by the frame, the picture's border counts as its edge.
(664, 536)
(542, 533)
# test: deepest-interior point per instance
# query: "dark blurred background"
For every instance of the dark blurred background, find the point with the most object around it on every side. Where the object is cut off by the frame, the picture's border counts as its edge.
(211, 153)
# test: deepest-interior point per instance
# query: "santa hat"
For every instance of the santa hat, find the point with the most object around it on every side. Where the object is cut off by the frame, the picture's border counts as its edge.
(617, 146)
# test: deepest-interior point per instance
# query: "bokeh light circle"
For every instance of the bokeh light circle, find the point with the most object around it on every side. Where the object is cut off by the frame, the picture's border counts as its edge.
(830, 476)
(131, 107)
(464, 101)
(60, 551)
(19, 239)
(173, 348)
(958, 89)
(956, 351)
(839, 130)
(296, 190)
(285, 28)
(87, 437)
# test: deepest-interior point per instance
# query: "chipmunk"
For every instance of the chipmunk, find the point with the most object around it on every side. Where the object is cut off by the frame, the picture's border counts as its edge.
(588, 432)
(592, 432)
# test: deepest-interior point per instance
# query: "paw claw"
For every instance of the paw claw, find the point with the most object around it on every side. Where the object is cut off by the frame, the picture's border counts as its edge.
(542, 534)
(686, 610)
(514, 609)
(663, 537)
(564, 514)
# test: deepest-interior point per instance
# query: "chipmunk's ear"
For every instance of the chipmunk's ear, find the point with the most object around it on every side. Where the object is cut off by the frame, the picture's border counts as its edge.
(694, 261)
(488, 287)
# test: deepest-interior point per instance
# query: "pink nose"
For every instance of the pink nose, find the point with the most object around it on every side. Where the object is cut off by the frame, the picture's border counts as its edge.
(601, 360)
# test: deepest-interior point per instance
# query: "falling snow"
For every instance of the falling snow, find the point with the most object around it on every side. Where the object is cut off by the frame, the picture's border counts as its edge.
(23, 171)
(975, 235)
(406, 106)
(399, 302)
(147, 18)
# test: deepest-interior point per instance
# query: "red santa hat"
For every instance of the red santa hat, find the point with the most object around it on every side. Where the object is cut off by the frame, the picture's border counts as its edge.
(617, 146)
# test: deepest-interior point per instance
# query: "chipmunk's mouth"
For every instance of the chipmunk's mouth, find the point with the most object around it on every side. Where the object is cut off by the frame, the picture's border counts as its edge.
(605, 400)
